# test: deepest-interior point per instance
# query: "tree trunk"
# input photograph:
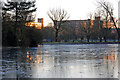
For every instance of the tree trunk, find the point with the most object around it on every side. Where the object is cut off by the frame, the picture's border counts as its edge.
(56, 36)
(88, 39)
(118, 37)
(116, 28)
(105, 39)
(16, 24)
(100, 39)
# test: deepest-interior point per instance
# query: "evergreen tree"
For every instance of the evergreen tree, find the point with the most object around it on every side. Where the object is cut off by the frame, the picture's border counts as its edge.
(21, 13)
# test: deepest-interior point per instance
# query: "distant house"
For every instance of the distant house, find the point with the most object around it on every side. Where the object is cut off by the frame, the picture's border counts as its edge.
(93, 23)
(37, 25)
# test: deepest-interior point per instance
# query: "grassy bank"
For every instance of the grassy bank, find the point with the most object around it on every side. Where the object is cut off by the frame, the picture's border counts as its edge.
(109, 42)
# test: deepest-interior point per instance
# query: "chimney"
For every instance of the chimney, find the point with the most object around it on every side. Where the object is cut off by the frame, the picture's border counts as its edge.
(42, 23)
(97, 18)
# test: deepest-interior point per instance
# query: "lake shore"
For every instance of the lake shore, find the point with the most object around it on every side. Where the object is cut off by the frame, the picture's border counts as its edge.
(63, 43)
(57, 43)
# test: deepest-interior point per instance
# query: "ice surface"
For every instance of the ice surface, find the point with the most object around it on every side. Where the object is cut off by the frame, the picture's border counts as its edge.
(62, 61)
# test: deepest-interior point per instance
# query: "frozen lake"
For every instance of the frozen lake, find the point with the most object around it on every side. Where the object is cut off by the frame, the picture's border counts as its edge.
(62, 61)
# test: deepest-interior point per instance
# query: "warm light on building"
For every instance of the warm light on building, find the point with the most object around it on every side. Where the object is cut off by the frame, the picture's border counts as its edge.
(109, 25)
(37, 25)
(40, 20)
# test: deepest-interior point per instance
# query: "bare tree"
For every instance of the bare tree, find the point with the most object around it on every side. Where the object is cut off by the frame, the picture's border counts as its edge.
(86, 30)
(57, 16)
(109, 10)
(90, 15)
(104, 16)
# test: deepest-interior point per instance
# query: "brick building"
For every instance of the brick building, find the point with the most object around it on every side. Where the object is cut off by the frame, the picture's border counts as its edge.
(76, 23)
(37, 25)
(96, 24)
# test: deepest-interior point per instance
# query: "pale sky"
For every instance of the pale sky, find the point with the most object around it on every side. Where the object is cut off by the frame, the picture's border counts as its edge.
(77, 9)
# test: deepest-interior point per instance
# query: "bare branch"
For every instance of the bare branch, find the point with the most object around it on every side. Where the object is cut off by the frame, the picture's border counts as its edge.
(109, 9)
(57, 16)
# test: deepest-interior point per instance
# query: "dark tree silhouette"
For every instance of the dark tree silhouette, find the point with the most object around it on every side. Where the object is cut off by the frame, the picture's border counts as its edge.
(104, 16)
(20, 9)
(21, 12)
(15, 15)
(109, 9)
(57, 16)
(85, 29)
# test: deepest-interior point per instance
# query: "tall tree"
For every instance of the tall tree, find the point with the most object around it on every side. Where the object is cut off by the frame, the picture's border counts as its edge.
(86, 29)
(57, 16)
(21, 13)
(105, 17)
(20, 9)
(8, 37)
(109, 10)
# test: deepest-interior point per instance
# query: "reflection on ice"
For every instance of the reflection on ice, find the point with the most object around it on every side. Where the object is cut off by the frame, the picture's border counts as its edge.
(62, 61)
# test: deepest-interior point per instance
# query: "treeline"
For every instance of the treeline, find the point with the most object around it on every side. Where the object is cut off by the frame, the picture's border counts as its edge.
(82, 33)
(14, 31)
(68, 30)
(97, 32)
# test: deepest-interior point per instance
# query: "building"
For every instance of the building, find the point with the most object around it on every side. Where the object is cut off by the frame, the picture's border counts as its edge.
(40, 20)
(86, 28)
(97, 22)
(37, 25)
